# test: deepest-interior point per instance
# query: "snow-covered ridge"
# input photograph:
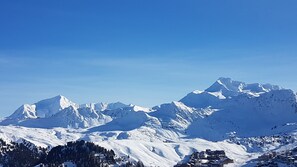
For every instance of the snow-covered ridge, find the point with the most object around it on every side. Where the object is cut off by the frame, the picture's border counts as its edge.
(224, 107)
(103, 106)
(61, 112)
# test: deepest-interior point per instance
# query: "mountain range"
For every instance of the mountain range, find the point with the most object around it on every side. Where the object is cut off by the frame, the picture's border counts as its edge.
(226, 110)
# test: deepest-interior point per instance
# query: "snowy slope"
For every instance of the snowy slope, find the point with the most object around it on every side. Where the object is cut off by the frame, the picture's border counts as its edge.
(255, 111)
(69, 118)
(177, 116)
(24, 112)
(151, 152)
(128, 118)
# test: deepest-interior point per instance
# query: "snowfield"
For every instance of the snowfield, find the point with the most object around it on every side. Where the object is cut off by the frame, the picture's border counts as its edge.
(150, 151)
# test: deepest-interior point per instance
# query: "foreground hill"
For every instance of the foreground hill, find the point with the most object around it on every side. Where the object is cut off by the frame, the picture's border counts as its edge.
(79, 153)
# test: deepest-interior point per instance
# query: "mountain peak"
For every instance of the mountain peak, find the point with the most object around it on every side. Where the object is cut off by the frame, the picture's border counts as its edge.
(60, 98)
(225, 88)
(25, 111)
(224, 79)
(229, 87)
(51, 106)
(43, 108)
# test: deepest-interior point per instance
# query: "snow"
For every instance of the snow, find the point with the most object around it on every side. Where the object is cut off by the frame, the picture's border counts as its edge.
(25, 111)
(248, 109)
(104, 106)
(150, 153)
(139, 108)
(42, 109)
(170, 154)
(49, 107)
(202, 100)
(64, 164)
(228, 87)
(68, 164)
(169, 132)
(248, 116)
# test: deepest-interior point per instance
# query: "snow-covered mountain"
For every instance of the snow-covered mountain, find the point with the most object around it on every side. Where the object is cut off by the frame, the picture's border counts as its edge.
(226, 110)
(61, 112)
(69, 117)
(247, 109)
(226, 106)
(225, 88)
(42, 109)
(177, 116)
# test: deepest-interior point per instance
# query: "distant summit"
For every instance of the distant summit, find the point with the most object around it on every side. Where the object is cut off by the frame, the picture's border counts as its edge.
(225, 88)
(228, 87)
(42, 109)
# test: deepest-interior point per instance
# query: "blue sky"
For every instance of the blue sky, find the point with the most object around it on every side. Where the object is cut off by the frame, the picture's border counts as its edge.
(141, 52)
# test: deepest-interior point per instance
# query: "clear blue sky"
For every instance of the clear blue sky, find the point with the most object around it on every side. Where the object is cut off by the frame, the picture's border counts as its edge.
(144, 52)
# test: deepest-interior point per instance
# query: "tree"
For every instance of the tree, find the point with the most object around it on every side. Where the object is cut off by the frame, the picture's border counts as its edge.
(139, 164)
